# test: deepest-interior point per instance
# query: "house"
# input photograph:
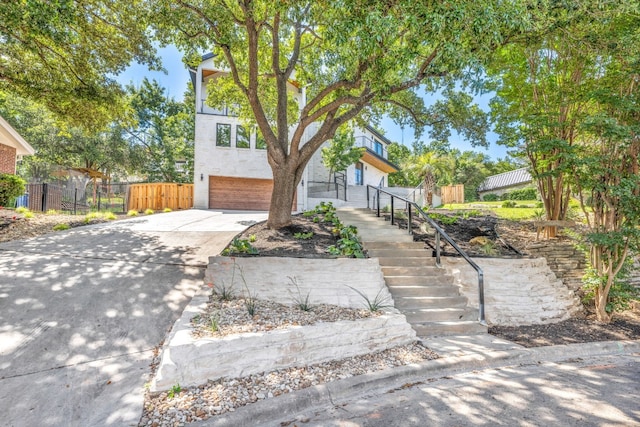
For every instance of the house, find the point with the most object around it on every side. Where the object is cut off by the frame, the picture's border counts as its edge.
(505, 182)
(12, 147)
(230, 162)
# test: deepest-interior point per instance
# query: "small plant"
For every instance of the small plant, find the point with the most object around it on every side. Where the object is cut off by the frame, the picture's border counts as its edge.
(61, 227)
(302, 302)
(52, 212)
(538, 215)
(508, 204)
(252, 238)
(29, 215)
(110, 216)
(176, 389)
(240, 246)
(224, 292)
(149, 211)
(303, 236)
(491, 197)
(167, 210)
(380, 301)
(443, 219)
(132, 212)
(251, 303)
(316, 219)
(92, 215)
(22, 210)
(214, 321)
(348, 244)
(308, 214)
(488, 248)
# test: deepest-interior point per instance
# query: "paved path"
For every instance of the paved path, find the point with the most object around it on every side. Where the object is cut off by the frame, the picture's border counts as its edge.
(594, 391)
(81, 312)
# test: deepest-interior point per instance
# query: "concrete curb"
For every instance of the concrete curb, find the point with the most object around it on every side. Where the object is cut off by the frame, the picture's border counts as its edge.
(266, 412)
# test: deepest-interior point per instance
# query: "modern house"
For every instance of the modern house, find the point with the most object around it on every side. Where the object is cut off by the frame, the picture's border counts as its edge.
(231, 169)
(12, 147)
(505, 182)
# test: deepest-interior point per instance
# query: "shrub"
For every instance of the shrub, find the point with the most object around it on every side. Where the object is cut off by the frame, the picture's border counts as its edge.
(29, 215)
(132, 212)
(167, 210)
(52, 212)
(491, 197)
(22, 210)
(524, 194)
(508, 204)
(505, 196)
(110, 216)
(149, 211)
(11, 186)
(61, 227)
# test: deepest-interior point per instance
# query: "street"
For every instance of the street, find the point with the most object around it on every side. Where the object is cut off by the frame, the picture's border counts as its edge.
(597, 391)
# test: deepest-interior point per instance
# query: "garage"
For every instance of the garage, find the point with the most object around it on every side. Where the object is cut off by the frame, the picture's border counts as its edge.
(239, 193)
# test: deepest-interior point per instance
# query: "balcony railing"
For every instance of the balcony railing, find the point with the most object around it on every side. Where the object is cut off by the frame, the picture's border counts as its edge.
(205, 109)
(377, 147)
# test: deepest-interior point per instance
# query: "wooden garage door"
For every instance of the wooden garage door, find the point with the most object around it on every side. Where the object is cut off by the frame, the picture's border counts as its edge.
(239, 193)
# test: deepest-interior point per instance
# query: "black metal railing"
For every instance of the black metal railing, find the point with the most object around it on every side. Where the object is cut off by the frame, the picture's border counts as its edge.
(439, 233)
(340, 181)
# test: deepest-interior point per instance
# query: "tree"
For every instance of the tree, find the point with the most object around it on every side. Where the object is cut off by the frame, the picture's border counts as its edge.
(64, 52)
(341, 151)
(433, 169)
(354, 59)
(399, 154)
(162, 133)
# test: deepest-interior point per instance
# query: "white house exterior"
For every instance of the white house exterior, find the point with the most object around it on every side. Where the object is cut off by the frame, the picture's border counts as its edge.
(230, 166)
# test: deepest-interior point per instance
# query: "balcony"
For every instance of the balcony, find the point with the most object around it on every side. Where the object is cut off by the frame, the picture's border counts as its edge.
(373, 145)
(203, 108)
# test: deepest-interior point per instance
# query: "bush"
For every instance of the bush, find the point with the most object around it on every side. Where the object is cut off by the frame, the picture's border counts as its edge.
(149, 211)
(132, 212)
(508, 204)
(11, 186)
(61, 227)
(491, 197)
(524, 194)
(505, 196)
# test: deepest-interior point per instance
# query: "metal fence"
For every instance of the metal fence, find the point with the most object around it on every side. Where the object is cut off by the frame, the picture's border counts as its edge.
(75, 199)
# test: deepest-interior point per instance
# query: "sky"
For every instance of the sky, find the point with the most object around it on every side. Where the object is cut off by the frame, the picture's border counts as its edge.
(176, 78)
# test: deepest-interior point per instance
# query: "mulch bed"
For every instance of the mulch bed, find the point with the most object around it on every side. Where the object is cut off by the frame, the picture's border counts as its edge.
(516, 235)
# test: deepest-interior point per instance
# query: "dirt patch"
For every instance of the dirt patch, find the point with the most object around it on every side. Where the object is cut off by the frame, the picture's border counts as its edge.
(302, 239)
(625, 326)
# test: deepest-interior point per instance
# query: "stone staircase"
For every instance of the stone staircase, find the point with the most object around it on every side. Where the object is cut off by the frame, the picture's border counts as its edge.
(423, 292)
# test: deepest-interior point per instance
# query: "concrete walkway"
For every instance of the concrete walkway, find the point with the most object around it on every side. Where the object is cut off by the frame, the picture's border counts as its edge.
(82, 311)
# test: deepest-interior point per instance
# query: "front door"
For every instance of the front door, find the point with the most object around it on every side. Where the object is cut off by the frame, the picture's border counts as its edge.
(359, 174)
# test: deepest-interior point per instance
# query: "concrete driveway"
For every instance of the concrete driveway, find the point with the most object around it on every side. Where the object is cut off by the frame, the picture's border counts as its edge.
(81, 312)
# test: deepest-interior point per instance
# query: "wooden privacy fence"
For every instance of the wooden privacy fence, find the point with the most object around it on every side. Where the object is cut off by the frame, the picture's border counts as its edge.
(44, 197)
(452, 194)
(160, 195)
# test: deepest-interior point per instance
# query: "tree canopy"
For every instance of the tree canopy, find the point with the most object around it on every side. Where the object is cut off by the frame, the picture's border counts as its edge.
(63, 53)
(353, 60)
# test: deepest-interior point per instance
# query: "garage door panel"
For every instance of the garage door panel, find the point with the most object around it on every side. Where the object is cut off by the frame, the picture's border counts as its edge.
(239, 193)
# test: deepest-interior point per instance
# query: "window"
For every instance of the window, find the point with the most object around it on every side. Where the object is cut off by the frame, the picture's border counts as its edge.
(223, 135)
(377, 147)
(261, 144)
(242, 137)
(359, 174)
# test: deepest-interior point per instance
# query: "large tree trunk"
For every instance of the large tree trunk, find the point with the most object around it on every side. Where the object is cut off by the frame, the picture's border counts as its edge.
(285, 182)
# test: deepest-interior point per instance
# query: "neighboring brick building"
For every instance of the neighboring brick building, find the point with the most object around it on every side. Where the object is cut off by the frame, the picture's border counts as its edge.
(12, 145)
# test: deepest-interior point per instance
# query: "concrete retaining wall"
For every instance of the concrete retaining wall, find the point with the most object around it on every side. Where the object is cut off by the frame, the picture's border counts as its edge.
(517, 291)
(188, 361)
(326, 280)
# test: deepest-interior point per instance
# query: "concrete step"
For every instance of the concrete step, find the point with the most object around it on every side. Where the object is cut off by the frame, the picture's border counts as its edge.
(390, 238)
(432, 329)
(394, 253)
(398, 245)
(431, 280)
(424, 291)
(440, 315)
(406, 261)
(413, 271)
(404, 303)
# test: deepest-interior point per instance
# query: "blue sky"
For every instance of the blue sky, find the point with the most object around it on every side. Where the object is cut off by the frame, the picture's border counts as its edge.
(176, 79)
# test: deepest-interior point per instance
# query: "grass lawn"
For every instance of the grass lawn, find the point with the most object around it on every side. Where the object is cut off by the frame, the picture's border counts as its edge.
(526, 209)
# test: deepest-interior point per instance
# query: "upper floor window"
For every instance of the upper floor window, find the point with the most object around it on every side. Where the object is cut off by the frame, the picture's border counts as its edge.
(377, 147)
(242, 137)
(261, 144)
(223, 135)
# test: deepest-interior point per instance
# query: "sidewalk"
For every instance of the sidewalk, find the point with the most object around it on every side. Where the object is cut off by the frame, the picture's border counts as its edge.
(458, 354)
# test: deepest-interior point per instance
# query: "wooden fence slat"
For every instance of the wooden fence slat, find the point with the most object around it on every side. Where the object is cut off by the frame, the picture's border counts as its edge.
(158, 196)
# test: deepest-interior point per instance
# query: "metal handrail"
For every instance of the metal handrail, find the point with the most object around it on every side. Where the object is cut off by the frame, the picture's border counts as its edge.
(439, 234)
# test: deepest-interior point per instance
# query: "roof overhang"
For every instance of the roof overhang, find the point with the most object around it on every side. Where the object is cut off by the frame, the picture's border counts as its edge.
(9, 136)
(376, 161)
